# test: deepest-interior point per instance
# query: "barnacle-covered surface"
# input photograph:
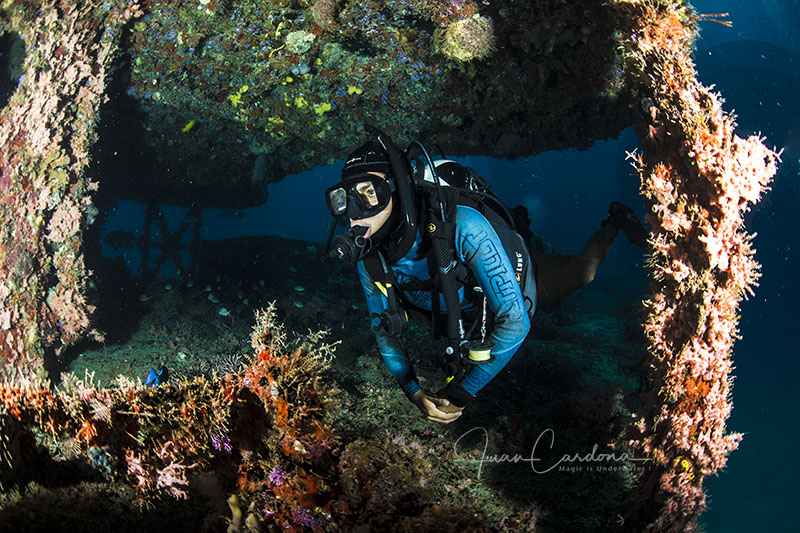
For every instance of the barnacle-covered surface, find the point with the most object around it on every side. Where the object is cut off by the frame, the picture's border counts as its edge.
(218, 98)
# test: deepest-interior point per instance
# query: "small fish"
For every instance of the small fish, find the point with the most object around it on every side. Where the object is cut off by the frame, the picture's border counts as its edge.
(189, 125)
(156, 378)
(232, 213)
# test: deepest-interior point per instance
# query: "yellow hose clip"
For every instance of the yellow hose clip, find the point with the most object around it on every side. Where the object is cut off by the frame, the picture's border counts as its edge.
(384, 288)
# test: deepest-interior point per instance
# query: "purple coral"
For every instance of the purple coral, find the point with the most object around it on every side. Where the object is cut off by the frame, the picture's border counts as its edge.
(221, 442)
(277, 476)
(302, 517)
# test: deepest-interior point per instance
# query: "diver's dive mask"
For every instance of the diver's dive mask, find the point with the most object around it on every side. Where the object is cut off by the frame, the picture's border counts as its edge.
(373, 174)
(360, 196)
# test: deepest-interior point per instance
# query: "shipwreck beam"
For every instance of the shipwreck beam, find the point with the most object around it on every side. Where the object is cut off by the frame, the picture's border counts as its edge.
(46, 130)
(699, 178)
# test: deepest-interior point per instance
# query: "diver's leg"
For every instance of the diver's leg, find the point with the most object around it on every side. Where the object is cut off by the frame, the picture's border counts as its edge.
(561, 275)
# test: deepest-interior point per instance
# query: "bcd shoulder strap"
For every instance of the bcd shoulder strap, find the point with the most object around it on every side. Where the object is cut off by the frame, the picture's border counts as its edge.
(504, 224)
(439, 238)
(439, 207)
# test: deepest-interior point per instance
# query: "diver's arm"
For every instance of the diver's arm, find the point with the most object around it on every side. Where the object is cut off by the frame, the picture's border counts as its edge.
(391, 346)
(478, 245)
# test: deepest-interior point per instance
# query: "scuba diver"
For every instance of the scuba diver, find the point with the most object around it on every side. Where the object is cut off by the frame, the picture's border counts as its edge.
(431, 243)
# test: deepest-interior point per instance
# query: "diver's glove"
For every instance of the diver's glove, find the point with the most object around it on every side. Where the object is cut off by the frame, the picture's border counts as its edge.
(456, 395)
(434, 408)
(450, 408)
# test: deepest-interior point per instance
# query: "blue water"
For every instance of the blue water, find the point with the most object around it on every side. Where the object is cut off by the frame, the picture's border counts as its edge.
(756, 67)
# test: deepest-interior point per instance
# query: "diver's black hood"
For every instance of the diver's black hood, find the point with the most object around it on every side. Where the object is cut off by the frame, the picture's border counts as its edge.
(389, 229)
(369, 157)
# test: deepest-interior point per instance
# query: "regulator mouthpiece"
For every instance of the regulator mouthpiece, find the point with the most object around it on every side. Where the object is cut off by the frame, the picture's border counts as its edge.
(351, 246)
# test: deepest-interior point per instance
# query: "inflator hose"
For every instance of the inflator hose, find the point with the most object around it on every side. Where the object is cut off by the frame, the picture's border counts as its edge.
(442, 234)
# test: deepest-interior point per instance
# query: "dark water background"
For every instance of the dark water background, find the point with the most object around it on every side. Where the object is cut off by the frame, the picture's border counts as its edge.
(756, 67)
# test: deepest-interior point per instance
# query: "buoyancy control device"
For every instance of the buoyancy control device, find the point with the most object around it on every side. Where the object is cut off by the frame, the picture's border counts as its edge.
(427, 195)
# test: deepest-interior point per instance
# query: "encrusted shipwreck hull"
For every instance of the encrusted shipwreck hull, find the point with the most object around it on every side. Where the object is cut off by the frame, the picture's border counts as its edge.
(238, 94)
(349, 66)
(261, 435)
(46, 131)
(699, 179)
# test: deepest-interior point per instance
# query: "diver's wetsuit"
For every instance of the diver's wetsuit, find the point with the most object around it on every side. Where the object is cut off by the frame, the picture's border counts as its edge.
(477, 246)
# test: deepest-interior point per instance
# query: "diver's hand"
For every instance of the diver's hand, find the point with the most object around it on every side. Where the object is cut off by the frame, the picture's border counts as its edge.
(434, 408)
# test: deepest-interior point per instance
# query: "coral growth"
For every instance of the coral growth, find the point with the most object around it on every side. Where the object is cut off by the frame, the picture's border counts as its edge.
(262, 429)
(467, 39)
(699, 178)
(539, 90)
(444, 12)
(324, 13)
(47, 129)
(262, 433)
